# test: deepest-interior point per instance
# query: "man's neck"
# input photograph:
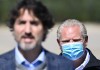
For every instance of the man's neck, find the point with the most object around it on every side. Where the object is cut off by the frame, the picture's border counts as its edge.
(31, 55)
(80, 60)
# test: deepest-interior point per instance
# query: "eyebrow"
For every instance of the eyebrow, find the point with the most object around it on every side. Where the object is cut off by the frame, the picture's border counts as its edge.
(75, 40)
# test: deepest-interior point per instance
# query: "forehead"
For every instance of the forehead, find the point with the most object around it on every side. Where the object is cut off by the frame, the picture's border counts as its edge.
(23, 10)
(25, 13)
(70, 32)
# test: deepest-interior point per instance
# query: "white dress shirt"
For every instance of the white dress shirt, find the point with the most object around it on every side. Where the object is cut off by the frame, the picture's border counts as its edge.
(29, 66)
(81, 67)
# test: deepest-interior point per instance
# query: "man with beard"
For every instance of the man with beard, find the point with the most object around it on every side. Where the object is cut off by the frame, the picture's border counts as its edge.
(29, 23)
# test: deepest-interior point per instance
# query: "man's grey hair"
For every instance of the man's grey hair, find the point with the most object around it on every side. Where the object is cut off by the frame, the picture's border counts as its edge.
(72, 22)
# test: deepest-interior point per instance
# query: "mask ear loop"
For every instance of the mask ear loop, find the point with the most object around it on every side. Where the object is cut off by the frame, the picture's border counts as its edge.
(85, 40)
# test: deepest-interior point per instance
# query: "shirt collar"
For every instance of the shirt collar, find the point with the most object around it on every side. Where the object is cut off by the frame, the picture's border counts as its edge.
(20, 58)
(41, 57)
(81, 67)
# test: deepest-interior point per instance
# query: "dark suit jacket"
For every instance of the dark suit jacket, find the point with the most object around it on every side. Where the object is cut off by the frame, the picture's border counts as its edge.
(7, 61)
(94, 63)
(54, 62)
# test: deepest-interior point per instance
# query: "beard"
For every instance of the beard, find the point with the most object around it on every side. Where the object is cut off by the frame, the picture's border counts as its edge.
(27, 46)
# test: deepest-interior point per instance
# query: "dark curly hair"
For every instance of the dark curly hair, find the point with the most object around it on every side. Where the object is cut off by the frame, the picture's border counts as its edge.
(37, 8)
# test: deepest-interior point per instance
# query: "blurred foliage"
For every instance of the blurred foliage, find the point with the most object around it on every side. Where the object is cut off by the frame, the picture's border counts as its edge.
(84, 10)
(5, 7)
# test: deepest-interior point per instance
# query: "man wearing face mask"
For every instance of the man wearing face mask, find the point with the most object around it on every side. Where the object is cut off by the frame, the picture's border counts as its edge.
(72, 38)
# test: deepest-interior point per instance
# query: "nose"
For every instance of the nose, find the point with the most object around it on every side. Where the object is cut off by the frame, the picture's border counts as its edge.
(28, 28)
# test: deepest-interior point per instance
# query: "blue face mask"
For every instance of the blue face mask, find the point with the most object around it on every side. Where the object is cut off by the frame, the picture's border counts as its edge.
(73, 51)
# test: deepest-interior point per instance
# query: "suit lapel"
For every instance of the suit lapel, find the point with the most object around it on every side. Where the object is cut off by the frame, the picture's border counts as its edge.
(51, 61)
